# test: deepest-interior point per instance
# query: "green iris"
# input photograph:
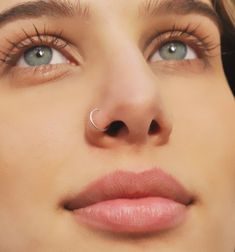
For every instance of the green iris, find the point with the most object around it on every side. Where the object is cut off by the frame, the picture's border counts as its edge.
(173, 51)
(38, 55)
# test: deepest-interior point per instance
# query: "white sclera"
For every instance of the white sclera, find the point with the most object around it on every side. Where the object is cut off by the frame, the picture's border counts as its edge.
(191, 54)
(57, 58)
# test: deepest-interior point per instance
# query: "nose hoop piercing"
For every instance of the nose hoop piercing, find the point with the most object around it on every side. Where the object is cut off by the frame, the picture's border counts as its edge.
(92, 121)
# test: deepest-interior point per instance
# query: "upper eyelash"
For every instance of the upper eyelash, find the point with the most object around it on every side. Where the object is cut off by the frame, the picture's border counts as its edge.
(202, 44)
(55, 39)
(47, 38)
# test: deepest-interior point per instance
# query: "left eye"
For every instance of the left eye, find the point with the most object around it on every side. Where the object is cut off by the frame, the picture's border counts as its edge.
(41, 55)
(174, 50)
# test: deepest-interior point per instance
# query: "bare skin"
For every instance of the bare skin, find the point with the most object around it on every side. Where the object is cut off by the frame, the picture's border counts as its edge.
(49, 149)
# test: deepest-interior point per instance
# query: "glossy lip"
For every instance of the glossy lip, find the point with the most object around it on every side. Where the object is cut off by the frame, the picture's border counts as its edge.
(126, 184)
(129, 202)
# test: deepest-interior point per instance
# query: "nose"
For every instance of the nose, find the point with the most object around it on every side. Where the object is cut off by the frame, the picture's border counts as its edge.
(129, 107)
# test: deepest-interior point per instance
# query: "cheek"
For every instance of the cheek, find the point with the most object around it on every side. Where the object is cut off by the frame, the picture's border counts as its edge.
(203, 143)
(41, 134)
(38, 135)
(30, 135)
(203, 136)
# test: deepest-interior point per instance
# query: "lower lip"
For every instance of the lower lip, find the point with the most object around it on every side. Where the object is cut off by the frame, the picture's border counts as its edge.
(143, 215)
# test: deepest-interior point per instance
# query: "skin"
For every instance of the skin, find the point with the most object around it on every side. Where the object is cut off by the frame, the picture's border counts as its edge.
(48, 148)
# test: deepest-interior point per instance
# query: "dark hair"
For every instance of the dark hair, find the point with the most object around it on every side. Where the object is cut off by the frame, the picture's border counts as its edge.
(226, 10)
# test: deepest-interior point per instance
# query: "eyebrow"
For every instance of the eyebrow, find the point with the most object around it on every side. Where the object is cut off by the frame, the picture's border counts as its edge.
(66, 8)
(183, 7)
(39, 8)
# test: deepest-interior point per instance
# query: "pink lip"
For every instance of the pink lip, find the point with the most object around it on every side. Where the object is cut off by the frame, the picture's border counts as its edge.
(128, 202)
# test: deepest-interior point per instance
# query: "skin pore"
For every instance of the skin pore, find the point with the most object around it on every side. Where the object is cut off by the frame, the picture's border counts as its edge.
(110, 54)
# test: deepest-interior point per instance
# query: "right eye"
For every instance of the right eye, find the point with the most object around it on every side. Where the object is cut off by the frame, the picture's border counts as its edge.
(41, 55)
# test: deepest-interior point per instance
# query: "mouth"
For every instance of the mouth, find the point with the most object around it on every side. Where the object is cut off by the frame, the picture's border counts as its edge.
(128, 202)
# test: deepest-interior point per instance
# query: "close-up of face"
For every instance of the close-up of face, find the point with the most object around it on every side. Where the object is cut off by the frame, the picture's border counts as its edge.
(116, 127)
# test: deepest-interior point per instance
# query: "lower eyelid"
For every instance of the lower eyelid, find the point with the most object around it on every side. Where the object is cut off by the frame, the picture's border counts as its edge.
(31, 76)
(172, 67)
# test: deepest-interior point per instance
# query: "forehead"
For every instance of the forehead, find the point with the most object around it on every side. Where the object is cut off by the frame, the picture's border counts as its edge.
(108, 3)
(106, 10)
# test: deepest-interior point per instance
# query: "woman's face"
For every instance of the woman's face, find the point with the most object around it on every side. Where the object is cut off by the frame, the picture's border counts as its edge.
(155, 67)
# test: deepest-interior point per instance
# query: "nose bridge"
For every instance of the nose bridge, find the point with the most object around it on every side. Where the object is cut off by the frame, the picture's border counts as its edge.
(126, 74)
(133, 93)
(125, 66)
(128, 79)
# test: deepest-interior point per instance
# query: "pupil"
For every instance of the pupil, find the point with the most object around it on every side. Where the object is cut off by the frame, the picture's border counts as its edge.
(40, 53)
(172, 48)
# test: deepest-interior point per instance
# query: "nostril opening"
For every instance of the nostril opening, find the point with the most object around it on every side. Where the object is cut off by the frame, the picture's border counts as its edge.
(154, 128)
(115, 127)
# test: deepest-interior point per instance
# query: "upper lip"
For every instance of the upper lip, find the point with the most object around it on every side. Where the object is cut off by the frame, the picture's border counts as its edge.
(125, 184)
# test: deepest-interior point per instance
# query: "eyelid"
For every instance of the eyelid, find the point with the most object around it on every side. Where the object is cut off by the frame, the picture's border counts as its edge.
(32, 76)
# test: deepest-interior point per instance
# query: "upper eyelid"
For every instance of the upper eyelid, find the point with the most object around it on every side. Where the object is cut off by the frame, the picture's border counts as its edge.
(22, 45)
(179, 36)
(43, 38)
(189, 33)
(43, 32)
(189, 29)
(169, 36)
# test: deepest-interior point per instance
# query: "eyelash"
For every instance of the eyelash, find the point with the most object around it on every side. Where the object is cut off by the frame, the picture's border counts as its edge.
(188, 35)
(50, 39)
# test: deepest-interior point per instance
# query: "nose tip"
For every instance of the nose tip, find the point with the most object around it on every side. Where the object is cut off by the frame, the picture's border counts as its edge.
(134, 123)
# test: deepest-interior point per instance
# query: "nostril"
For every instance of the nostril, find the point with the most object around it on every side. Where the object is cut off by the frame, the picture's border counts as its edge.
(115, 127)
(154, 128)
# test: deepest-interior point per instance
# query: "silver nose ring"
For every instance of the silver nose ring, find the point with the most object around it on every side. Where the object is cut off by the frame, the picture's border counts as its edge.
(92, 121)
